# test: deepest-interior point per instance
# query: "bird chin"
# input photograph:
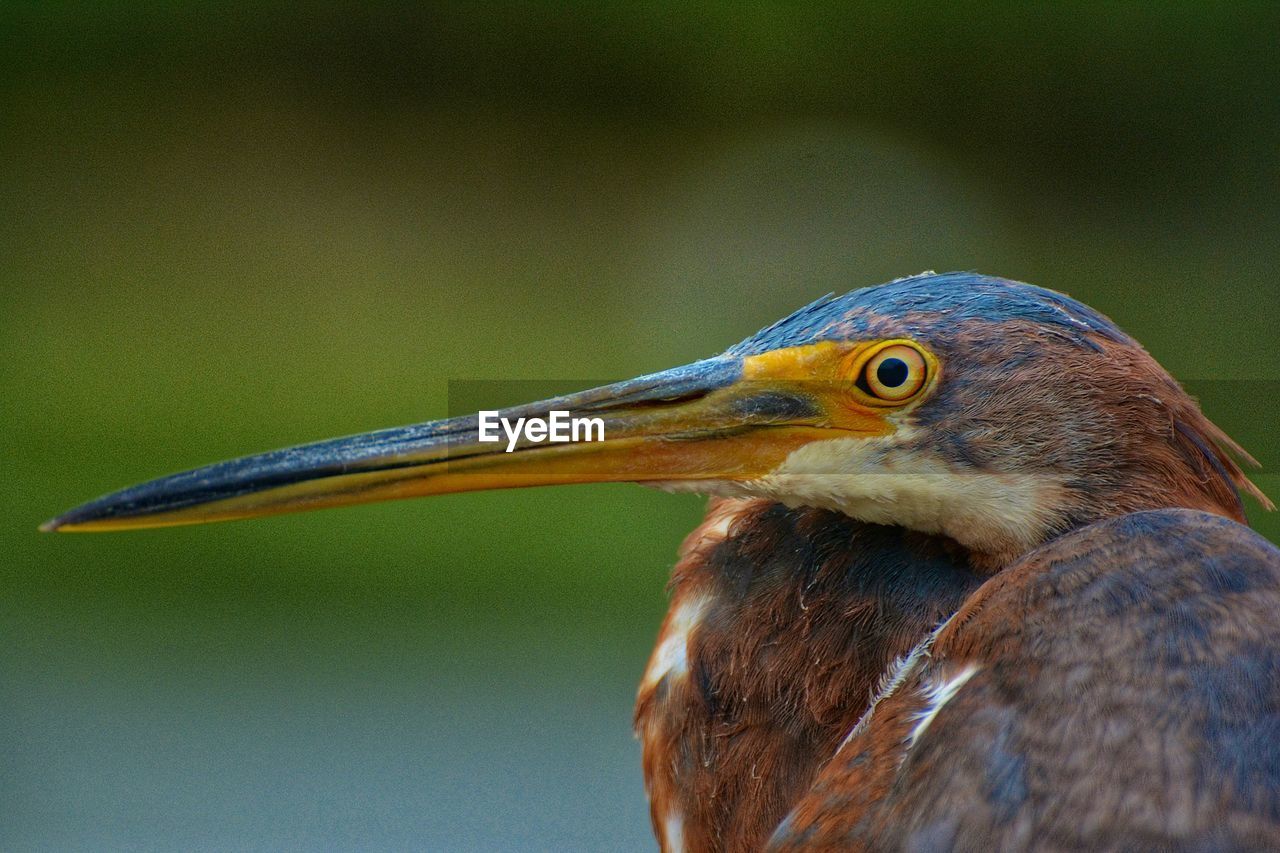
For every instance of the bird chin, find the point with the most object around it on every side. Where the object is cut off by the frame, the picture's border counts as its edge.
(888, 481)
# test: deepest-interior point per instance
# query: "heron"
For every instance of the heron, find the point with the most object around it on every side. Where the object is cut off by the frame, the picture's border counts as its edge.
(975, 571)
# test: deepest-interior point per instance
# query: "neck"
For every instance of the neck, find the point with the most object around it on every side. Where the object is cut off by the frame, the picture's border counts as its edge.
(782, 622)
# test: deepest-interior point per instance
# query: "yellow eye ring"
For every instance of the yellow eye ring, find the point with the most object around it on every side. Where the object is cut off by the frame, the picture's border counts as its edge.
(894, 374)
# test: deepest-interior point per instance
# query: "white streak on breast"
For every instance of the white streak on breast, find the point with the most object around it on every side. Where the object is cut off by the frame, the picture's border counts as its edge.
(894, 677)
(721, 515)
(719, 529)
(936, 694)
(673, 833)
(671, 657)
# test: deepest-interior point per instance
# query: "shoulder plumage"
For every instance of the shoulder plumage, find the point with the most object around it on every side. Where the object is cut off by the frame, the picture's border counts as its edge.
(1119, 686)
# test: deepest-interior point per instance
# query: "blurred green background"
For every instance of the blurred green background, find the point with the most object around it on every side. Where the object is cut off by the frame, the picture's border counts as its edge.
(231, 227)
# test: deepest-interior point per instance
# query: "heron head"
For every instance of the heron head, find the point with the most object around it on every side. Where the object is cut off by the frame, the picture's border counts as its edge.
(993, 412)
(1006, 414)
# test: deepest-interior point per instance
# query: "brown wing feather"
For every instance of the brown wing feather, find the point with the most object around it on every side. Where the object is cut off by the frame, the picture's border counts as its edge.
(1123, 693)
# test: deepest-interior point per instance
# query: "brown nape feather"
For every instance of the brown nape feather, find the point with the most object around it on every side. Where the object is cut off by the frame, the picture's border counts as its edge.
(1218, 453)
(1121, 436)
(1208, 452)
(1183, 458)
(782, 622)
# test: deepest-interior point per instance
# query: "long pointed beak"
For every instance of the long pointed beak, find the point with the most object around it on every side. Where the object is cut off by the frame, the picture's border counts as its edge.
(701, 422)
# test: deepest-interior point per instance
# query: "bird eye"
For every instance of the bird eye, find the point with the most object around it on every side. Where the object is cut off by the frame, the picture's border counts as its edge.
(894, 374)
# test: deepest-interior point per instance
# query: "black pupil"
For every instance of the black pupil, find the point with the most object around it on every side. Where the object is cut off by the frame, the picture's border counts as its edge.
(892, 372)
